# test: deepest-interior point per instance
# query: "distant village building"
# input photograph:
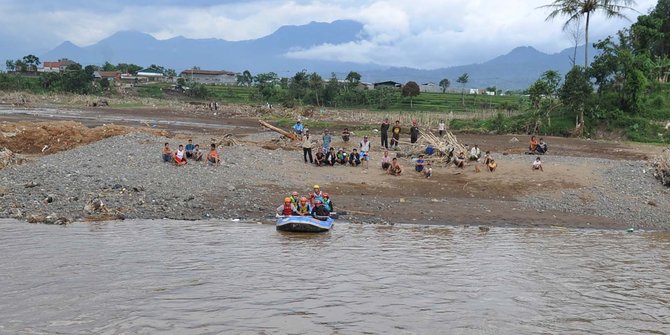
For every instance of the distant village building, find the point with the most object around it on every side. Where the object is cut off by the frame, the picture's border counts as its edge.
(150, 75)
(59, 66)
(107, 75)
(388, 84)
(430, 88)
(210, 77)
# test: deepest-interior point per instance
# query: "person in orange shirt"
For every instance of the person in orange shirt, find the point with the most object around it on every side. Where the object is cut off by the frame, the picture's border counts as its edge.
(533, 144)
(213, 157)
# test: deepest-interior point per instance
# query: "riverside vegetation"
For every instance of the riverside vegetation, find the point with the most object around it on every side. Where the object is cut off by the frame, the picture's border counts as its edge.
(623, 94)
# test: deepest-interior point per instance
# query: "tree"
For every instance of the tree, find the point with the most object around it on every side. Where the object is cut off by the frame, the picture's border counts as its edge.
(444, 83)
(576, 92)
(108, 67)
(316, 86)
(31, 62)
(245, 78)
(575, 10)
(10, 65)
(463, 80)
(553, 80)
(353, 77)
(410, 89)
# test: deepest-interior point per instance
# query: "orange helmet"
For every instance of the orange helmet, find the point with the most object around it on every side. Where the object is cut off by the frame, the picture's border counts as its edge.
(303, 199)
(287, 199)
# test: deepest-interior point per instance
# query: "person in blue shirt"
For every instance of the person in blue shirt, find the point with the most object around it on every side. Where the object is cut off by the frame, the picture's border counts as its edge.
(189, 148)
(298, 128)
(419, 164)
(326, 139)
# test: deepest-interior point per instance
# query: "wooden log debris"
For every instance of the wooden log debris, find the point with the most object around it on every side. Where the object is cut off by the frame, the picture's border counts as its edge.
(285, 133)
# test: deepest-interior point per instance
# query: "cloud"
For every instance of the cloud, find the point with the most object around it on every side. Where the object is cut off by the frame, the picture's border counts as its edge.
(418, 33)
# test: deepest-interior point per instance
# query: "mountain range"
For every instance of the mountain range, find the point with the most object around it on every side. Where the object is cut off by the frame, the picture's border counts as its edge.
(514, 70)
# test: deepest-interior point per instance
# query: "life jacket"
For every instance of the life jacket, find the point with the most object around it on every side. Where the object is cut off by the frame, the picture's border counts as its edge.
(288, 209)
(313, 196)
(303, 209)
(295, 200)
(327, 204)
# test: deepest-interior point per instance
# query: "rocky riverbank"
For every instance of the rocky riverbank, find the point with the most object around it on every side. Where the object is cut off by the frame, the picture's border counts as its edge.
(124, 177)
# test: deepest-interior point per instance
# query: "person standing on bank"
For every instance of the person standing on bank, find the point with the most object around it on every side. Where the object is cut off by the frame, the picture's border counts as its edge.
(396, 134)
(384, 130)
(414, 132)
(307, 147)
(440, 127)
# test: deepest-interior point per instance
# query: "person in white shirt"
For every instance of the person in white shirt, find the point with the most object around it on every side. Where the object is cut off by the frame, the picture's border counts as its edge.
(475, 153)
(179, 158)
(537, 164)
(441, 127)
(365, 149)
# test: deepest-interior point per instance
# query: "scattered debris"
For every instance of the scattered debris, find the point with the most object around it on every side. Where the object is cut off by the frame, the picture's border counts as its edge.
(662, 167)
(278, 130)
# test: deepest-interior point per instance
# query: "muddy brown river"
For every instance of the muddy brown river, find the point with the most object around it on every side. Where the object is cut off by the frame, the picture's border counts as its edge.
(214, 277)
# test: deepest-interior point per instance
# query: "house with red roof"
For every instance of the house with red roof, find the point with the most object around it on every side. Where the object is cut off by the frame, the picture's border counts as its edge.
(58, 66)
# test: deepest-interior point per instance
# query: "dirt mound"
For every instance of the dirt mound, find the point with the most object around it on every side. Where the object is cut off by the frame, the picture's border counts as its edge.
(51, 137)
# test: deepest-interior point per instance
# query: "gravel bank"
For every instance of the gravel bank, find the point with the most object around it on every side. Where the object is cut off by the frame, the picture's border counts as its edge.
(126, 173)
(626, 191)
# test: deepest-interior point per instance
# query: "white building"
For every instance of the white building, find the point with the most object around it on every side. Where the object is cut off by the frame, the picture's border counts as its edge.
(210, 77)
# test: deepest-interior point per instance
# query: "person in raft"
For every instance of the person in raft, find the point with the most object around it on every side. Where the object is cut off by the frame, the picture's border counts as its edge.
(213, 157)
(167, 153)
(189, 149)
(295, 198)
(287, 209)
(420, 163)
(395, 169)
(316, 195)
(303, 208)
(298, 128)
(320, 211)
(428, 172)
(180, 156)
(537, 164)
(386, 160)
(328, 203)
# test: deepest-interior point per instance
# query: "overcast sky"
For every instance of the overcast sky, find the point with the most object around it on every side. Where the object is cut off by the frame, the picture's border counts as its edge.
(416, 33)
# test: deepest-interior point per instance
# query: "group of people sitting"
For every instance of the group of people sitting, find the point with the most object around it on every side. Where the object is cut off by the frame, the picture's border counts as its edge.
(326, 155)
(183, 154)
(537, 147)
(317, 204)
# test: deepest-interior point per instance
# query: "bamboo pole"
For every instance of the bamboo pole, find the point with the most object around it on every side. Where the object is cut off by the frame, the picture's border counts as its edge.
(278, 130)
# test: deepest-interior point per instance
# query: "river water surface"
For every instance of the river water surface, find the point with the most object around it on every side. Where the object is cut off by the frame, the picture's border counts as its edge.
(212, 277)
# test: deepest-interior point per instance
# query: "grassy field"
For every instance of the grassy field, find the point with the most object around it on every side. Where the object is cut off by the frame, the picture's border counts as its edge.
(436, 102)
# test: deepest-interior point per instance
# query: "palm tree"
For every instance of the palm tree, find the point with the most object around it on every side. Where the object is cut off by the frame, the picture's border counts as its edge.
(575, 10)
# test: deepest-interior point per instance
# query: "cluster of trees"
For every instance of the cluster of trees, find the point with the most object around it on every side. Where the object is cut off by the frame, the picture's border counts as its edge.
(311, 89)
(626, 85)
(26, 64)
(74, 79)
